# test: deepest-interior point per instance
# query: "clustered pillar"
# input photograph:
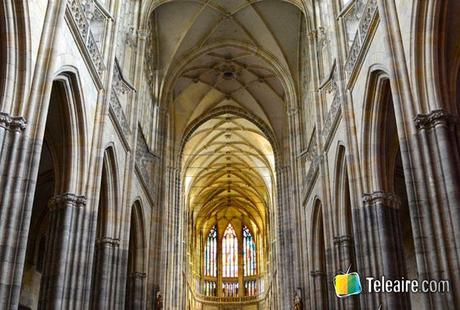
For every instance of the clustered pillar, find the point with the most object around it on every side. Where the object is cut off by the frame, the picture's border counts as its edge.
(62, 286)
(378, 224)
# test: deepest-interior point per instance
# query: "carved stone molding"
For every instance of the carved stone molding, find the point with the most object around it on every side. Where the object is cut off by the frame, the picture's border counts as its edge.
(66, 200)
(79, 17)
(312, 150)
(434, 119)
(329, 84)
(147, 163)
(13, 123)
(379, 197)
(119, 83)
(368, 16)
(331, 119)
(311, 174)
(322, 37)
(118, 112)
(111, 242)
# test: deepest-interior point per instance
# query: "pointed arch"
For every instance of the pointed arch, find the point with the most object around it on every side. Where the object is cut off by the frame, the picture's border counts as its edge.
(67, 85)
(60, 176)
(15, 64)
(378, 94)
(342, 199)
(230, 252)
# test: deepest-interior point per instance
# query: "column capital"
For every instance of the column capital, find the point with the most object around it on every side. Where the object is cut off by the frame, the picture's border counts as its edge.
(67, 199)
(343, 240)
(380, 197)
(13, 123)
(111, 242)
(434, 119)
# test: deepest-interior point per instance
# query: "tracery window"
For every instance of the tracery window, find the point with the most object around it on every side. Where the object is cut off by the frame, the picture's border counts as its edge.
(229, 263)
(210, 254)
(249, 253)
(230, 253)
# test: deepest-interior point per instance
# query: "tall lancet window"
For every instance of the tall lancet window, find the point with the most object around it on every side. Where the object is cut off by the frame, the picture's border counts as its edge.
(249, 253)
(230, 253)
(210, 254)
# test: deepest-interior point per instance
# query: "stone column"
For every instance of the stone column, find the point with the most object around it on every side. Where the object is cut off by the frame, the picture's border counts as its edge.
(378, 235)
(319, 278)
(103, 273)
(60, 285)
(437, 203)
(219, 262)
(19, 158)
(240, 261)
(136, 283)
(13, 237)
(344, 249)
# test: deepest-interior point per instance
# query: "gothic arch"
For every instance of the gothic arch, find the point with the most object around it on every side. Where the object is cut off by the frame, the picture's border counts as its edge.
(377, 92)
(14, 68)
(436, 54)
(68, 82)
(59, 173)
(342, 199)
(386, 181)
(195, 124)
(110, 170)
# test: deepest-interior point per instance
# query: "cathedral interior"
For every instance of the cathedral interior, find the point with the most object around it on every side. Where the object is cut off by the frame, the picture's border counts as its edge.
(229, 154)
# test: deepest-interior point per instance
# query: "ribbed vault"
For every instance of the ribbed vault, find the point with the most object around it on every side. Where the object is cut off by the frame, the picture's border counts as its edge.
(215, 53)
(228, 169)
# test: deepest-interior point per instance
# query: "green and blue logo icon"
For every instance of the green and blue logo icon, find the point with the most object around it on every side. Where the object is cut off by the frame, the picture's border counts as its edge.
(347, 284)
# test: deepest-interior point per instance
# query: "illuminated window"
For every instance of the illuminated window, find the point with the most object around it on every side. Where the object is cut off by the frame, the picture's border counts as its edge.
(210, 254)
(230, 289)
(249, 253)
(229, 253)
(209, 288)
(250, 288)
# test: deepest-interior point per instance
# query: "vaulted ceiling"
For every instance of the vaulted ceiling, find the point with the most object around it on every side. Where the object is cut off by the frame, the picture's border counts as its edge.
(228, 53)
(228, 166)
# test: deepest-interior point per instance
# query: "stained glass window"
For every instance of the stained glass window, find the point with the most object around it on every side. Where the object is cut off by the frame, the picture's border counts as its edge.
(249, 253)
(229, 253)
(230, 289)
(250, 288)
(209, 288)
(210, 254)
